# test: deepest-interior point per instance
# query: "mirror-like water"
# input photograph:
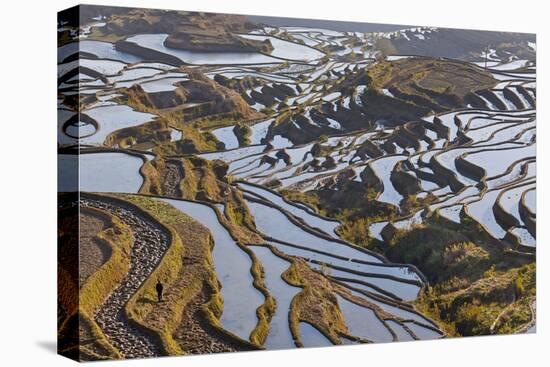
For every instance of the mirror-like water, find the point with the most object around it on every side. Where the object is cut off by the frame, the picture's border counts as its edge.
(275, 224)
(363, 323)
(240, 298)
(227, 136)
(279, 336)
(288, 50)
(311, 337)
(422, 332)
(99, 172)
(327, 226)
(112, 118)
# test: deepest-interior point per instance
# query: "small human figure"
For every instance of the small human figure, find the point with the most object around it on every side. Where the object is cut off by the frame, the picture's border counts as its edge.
(159, 287)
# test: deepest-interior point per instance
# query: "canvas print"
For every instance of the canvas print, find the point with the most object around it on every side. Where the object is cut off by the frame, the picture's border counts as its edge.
(238, 183)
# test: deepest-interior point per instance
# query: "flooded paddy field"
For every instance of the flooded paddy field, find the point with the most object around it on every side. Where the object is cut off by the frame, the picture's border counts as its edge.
(297, 184)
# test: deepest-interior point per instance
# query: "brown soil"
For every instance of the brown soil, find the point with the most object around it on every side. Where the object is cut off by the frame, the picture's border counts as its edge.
(93, 252)
(196, 336)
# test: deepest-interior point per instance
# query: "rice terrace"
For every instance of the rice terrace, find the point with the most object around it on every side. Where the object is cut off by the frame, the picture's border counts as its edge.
(237, 183)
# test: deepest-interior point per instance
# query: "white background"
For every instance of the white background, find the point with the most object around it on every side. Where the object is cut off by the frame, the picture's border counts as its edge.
(28, 182)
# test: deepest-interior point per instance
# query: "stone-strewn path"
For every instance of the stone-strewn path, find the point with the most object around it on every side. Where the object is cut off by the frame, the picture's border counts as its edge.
(150, 243)
(172, 177)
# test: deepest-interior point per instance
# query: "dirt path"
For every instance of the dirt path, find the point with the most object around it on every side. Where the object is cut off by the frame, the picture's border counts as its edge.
(150, 243)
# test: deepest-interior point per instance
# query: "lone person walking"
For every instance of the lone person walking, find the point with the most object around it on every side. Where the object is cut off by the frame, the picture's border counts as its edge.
(159, 287)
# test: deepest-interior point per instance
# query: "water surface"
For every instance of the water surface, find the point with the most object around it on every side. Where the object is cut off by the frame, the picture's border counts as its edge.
(232, 264)
(279, 336)
(311, 337)
(110, 172)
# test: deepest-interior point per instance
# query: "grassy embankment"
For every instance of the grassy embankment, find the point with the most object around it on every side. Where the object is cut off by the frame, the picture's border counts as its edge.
(205, 180)
(315, 304)
(199, 105)
(96, 288)
(144, 311)
(182, 281)
(158, 132)
(476, 286)
(353, 205)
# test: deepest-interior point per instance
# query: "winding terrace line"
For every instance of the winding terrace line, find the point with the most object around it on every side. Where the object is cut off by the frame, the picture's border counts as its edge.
(150, 244)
